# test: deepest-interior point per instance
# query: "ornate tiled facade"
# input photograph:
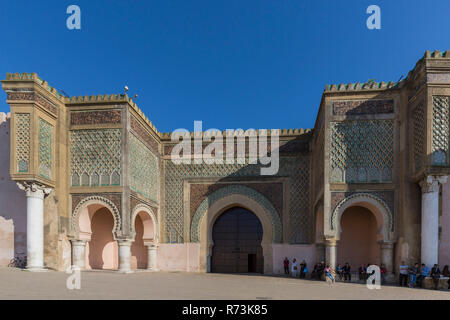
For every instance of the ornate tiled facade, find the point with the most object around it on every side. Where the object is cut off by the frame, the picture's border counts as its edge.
(380, 146)
(95, 117)
(96, 157)
(297, 168)
(362, 151)
(441, 134)
(363, 107)
(23, 142)
(419, 135)
(144, 170)
(45, 149)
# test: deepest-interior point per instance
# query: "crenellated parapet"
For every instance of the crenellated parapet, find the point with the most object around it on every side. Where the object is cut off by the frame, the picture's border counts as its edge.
(358, 86)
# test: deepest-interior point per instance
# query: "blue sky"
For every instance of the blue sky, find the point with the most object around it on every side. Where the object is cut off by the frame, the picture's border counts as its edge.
(232, 64)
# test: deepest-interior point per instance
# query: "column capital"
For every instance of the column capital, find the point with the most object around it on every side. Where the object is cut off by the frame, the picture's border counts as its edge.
(431, 184)
(124, 242)
(33, 189)
(330, 242)
(78, 242)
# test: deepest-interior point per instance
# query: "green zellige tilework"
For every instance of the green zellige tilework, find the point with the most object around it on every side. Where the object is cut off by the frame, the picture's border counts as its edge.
(362, 151)
(95, 157)
(144, 170)
(441, 137)
(22, 141)
(45, 149)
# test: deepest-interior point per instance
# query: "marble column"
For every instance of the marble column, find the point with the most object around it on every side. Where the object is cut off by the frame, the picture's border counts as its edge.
(430, 218)
(152, 257)
(35, 194)
(124, 256)
(79, 253)
(331, 252)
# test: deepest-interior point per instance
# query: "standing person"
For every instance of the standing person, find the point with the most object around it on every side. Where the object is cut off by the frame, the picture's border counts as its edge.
(302, 269)
(446, 273)
(362, 273)
(383, 272)
(286, 265)
(294, 268)
(424, 271)
(436, 275)
(304, 272)
(403, 274)
(347, 272)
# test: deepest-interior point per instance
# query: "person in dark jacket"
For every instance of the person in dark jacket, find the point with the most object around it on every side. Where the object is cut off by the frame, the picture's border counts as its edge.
(286, 265)
(346, 270)
(436, 275)
(303, 269)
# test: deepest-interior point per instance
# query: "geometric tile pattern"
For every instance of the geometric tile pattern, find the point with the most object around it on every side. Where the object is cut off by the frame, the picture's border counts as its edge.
(296, 168)
(23, 141)
(96, 157)
(45, 149)
(419, 136)
(144, 170)
(440, 141)
(362, 151)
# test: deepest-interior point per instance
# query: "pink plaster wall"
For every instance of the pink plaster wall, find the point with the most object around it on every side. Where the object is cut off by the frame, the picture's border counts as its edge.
(444, 245)
(102, 252)
(179, 257)
(297, 251)
(358, 244)
(13, 208)
(138, 249)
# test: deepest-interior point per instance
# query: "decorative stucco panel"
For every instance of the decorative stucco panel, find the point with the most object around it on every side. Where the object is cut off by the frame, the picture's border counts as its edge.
(95, 117)
(362, 107)
(419, 136)
(95, 157)
(144, 170)
(45, 149)
(362, 151)
(441, 138)
(22, 142)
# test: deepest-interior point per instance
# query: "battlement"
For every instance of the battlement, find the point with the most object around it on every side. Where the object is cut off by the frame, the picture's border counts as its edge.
(33, 77)
(377, 86)
(241, 133)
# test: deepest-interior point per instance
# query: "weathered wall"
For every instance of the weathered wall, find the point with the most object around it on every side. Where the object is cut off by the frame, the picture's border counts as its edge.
(13, 221)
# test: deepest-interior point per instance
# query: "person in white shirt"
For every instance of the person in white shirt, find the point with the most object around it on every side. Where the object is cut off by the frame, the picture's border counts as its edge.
(403, 274)
(294, 268)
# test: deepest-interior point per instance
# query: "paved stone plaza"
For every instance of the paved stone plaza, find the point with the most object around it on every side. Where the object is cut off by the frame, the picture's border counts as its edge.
(17, 284)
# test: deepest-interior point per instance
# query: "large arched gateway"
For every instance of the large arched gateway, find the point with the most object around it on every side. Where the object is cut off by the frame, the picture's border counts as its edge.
(237, 236)
(358, 243)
